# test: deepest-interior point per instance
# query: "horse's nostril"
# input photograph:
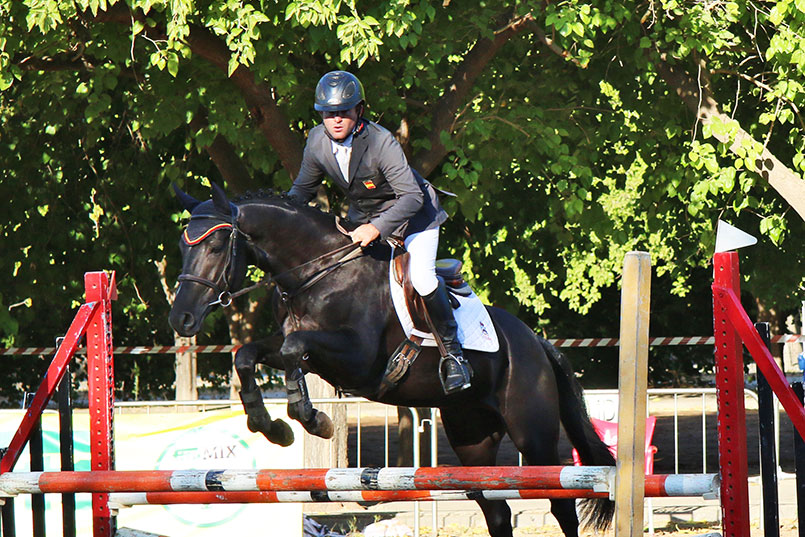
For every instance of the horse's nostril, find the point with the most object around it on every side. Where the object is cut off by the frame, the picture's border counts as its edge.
(183, 322)
(188, 320)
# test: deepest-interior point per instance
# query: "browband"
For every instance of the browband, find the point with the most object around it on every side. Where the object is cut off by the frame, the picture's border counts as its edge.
(193, 242)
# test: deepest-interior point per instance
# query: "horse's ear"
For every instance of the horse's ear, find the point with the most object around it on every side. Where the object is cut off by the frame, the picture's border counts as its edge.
(187, 201)
(219, 199)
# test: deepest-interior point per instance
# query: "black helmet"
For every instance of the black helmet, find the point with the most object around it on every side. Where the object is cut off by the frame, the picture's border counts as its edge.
(338, 90)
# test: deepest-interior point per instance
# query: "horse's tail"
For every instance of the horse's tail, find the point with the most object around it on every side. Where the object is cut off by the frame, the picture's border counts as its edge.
(596, 513)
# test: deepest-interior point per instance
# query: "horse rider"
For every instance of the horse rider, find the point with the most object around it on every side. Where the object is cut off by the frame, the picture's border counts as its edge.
(386, 197)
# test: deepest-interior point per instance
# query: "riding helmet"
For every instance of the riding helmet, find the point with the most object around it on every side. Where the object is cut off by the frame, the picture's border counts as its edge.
(338, 90)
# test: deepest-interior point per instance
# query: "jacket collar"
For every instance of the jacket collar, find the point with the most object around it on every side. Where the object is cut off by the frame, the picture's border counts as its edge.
(360, 142)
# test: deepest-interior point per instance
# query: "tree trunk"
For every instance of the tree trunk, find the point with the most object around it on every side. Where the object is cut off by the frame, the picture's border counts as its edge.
(186, 369)
(240, 318)
(782, 179)
(321, 453)
(405, 430)
(185, 363)
(766, 314)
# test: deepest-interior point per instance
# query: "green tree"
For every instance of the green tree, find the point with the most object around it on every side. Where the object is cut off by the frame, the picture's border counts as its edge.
(571, 132)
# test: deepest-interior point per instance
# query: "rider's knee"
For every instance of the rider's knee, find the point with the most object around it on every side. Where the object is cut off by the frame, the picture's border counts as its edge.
(423, 279)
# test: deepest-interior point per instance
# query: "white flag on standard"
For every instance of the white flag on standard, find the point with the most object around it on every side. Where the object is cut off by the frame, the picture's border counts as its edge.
(731, 238)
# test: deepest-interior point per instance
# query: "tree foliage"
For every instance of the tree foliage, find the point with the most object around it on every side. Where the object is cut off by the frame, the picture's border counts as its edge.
(571, 133)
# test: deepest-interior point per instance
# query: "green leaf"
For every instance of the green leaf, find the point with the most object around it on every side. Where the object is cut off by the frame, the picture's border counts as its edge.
(173, 64)
(233, 65)
(6, 80)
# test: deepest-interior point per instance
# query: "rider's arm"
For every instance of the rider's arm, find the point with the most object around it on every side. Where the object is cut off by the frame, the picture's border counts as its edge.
(394, 167)
(309, 177)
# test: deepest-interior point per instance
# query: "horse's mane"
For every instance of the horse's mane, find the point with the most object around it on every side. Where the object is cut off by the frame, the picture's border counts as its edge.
(267, 196)
(264, 194)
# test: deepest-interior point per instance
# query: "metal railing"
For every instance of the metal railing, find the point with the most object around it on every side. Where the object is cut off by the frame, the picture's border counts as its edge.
(358, 408)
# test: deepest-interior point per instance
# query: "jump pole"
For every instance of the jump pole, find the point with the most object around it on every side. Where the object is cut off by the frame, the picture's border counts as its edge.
(473, 478)
(656, 486)
(632, 389)
(596, 478)
(120, 500)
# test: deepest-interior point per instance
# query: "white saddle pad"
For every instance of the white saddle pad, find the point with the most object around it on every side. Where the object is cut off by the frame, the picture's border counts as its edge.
(475, 329)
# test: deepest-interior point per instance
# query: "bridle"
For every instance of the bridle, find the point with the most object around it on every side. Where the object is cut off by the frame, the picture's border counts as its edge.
(224, 293)
(221, 291)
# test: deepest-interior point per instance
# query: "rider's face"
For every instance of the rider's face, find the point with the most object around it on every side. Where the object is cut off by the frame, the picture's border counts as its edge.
(340, 123)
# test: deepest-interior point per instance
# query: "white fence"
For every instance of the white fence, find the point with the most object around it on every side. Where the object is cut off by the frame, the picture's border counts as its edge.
(677, 403)
(683, 408)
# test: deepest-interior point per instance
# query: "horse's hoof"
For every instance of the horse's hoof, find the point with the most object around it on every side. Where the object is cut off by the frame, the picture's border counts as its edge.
(258, 422)
(276, 431)
(280, 433)
(320, 425)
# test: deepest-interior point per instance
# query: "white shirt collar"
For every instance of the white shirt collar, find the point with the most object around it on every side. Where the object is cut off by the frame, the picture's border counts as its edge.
(347, 142)
(343, 154)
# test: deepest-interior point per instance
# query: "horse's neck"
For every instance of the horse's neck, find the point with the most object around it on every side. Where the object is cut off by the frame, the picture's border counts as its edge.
(289, 236)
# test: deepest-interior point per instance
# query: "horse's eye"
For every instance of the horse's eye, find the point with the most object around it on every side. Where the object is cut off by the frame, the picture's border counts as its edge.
(217, 246)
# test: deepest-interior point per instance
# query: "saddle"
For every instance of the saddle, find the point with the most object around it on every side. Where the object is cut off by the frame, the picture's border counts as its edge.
(401, 359)
(448, 270)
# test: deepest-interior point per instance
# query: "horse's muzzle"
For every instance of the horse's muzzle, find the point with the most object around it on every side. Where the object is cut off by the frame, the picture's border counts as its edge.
(184, 323)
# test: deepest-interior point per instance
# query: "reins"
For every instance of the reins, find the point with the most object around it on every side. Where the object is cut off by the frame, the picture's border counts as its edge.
(312, 280)
(225, 297)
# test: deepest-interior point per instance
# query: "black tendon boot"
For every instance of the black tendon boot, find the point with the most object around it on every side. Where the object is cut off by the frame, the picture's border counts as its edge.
(453, 370)
(258, 420)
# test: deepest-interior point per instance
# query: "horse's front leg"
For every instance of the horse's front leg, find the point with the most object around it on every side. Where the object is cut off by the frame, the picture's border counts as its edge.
(258, 420)
(299, 346)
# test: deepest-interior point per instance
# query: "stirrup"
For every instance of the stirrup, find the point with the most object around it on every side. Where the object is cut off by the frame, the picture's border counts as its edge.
(463, 367)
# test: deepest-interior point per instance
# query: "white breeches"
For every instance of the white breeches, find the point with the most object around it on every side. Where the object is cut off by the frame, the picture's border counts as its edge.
(422, 247)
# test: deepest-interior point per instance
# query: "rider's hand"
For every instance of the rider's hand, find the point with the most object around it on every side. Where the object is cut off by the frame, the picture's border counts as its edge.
(365, 234)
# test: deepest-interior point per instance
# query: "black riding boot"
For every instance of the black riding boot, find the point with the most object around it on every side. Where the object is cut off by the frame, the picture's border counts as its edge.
(453, 370)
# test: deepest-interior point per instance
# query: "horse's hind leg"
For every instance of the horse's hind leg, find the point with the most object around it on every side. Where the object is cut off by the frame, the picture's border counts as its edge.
(258, 419)
(564, 510)
(533, 427)
(476, 438)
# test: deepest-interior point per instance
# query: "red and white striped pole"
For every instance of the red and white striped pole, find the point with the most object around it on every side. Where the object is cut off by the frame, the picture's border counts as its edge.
(128, 499)
(656, 486)
(475, 478)
(659, 341)
(320, 479)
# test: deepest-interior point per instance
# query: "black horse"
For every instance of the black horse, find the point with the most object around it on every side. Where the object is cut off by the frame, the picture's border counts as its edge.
(338, 321)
